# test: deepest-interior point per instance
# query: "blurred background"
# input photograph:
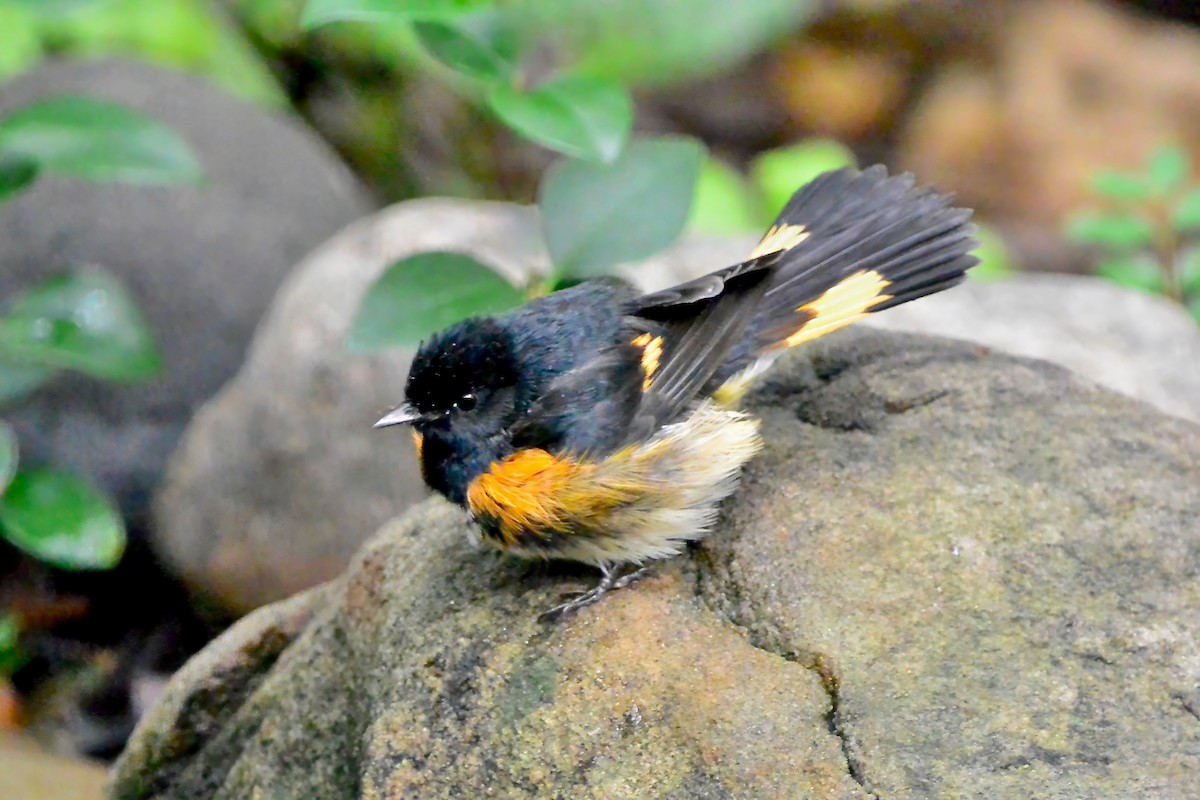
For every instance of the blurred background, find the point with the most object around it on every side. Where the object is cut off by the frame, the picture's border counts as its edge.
(193, 344)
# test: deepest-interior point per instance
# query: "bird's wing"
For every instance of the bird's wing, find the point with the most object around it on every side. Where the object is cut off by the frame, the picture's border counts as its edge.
(669, 345)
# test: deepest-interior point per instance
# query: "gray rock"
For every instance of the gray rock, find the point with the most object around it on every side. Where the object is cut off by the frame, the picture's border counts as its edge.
(950, 573)
(202, 261)
(1143, 346)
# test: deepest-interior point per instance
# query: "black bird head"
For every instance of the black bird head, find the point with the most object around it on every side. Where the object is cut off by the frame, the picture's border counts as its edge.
(461, 399)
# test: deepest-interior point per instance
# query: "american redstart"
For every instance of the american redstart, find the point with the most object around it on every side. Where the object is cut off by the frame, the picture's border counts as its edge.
(599, 425)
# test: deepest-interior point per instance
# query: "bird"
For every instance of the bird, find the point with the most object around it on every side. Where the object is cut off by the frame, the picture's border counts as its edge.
(601, 425)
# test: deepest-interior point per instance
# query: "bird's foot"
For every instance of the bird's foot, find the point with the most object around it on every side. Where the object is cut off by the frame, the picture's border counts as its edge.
(611, 579)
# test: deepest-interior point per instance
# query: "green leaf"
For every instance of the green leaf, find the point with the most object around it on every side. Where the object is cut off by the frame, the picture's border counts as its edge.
(1168, 169)
(86, 322)
(779, 173)
(323, 12)
(8, 455)
(12, 657)
(578, 116)
(995, 263)
(480, 45)
(96, 141)
(1121, 186)
(722, 203)
(1115, 231)
(61, 520)
(1187, 213)
(595, 215)
(423, 294)
(18, 380)
(17, 172)
(1193, 308)
(1140, 273)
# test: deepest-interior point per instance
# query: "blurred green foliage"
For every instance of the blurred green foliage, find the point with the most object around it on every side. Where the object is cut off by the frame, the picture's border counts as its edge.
(630, 42)
(186, 35)
(1147, 228)
(609, 201)
(85, 322)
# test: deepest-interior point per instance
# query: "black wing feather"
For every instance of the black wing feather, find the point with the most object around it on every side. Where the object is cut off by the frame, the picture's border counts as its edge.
(843, 230)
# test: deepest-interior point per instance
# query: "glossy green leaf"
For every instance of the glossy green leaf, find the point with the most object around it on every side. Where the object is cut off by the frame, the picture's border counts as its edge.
(1141, 273)
(8, 455)
(1168, 169)
(1121, 186)
(423, 294)
(92, 140)
(323, 12)
(481, 45)
(578, 116)
(19, 380)
(995, 263)
(1115, 231)
(17, 172)
(1187, 213)
(86, 322)
(12, 657)
(778, 174)
(722, 203)
(61, 520)
(596, 216)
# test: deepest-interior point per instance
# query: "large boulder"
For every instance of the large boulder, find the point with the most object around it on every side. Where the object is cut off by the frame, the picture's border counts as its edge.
(202, 261)
(950, 573)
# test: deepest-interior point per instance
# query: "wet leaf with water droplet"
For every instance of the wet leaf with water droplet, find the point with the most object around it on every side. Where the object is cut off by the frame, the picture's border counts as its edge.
(86, 322)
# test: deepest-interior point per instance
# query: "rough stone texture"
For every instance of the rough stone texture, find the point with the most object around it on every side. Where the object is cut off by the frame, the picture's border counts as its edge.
(202, 261)
(951, 573)
(1136, 343)
(280, 478)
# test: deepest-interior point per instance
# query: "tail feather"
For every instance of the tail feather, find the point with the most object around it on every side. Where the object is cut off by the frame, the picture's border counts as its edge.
(853, 243)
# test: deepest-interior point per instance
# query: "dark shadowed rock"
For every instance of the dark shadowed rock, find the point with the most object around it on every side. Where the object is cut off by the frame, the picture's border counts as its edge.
(950, 573)
(202, 261)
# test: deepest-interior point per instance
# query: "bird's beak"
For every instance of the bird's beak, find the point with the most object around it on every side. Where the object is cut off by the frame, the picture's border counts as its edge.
(400, 415)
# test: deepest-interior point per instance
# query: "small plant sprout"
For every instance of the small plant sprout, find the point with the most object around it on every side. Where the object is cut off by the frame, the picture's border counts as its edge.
(1147, 227)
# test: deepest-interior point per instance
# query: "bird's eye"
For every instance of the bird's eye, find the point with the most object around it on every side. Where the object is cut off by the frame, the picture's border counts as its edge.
(466, 402)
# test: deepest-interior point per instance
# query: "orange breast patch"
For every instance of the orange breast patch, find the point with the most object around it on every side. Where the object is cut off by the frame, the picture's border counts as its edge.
(534, 492)
(524, 492)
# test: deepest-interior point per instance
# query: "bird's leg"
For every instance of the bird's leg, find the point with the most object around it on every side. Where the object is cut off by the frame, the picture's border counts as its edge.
(610, 579)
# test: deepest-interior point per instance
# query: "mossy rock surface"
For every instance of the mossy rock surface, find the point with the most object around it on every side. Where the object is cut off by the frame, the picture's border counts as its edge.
(950, 574)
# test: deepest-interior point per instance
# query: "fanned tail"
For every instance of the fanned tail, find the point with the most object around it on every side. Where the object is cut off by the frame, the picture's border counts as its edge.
(853, 243)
